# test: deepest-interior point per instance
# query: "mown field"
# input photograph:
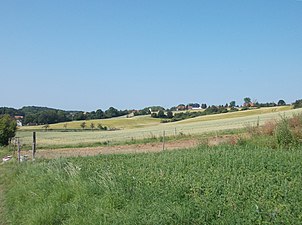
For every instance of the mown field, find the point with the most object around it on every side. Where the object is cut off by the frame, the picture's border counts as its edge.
(147, 127)
(147, 121)
(113, 123)
(219, 185)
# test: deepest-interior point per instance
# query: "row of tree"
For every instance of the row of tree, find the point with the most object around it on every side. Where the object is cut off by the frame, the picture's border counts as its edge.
(170, 117)
(43, 115)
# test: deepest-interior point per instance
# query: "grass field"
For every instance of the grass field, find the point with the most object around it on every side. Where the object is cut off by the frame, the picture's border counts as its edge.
(153, 128)
(221, 185)
(115, 123)
(147, 121)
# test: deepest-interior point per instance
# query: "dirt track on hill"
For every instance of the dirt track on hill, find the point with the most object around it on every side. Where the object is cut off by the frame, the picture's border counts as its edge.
(118, 149)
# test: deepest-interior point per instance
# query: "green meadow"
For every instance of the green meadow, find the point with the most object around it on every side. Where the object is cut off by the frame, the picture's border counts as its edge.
(256, 180)
(218, 185)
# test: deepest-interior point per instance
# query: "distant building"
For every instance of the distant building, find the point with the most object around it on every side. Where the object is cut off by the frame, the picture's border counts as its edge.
(19, 120)
(181, 107)
(193, 106)
(19, 123)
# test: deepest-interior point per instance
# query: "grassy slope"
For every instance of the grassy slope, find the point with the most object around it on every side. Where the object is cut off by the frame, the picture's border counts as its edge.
(238, 114)
(222, 185)
(147, 121)
(199, 125)
(119, 123)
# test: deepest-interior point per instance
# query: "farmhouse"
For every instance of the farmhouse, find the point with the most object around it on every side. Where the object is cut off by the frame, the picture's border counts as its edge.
(19, 120)
(193, 106)
(181, 107)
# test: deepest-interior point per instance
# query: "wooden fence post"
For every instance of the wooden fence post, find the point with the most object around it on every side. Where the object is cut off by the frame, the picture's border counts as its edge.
(163, 140)
(19, 150)
(34, 146)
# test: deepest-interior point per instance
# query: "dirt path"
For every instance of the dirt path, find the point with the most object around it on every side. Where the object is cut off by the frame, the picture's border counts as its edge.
(119, 149)
(134, 148)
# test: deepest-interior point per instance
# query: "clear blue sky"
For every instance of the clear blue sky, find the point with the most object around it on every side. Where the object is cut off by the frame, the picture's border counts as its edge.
(86, 55)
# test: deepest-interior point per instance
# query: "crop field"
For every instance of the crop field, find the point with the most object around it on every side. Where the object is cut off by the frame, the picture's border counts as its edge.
(219, 185)
(117, 123)
(153, 128)
(147, 121)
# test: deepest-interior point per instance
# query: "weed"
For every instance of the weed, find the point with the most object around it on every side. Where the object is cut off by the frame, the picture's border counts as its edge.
(283, 134)
(268, 128)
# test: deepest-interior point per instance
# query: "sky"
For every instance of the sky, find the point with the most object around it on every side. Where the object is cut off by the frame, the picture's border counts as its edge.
(130, 54)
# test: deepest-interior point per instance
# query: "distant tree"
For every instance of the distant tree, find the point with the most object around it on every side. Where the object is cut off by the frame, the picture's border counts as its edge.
(29, 118)
(194, 105)
(232, 104)
(174, 108)
(100, 126)
(161, 114)
(247, 101)
(111, 112)
(212, 110)
(233, 109)
(83, 125)
(170, 114)
(156, 108)
(92, 126)
(281, 102)
(8, 127)
(79, 116)
(100, 114)
(91, 115)
(154, 115)
(298, 104)
(203, 106)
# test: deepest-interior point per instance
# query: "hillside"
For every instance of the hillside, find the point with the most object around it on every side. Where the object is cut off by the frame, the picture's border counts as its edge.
(146, 127)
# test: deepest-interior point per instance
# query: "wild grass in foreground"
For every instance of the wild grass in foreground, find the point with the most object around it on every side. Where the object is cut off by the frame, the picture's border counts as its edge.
(219, 185)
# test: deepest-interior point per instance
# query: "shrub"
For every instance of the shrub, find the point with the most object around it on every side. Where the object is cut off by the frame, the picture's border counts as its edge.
(8, 127)
(298, 104)
(283, 134)
(268, 128)
(295, 121)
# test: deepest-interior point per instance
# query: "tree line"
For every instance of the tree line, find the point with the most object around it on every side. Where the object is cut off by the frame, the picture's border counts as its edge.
(33, 115)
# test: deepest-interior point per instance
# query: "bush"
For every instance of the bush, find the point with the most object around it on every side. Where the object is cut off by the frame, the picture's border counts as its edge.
(298, 104)
(284, 135)
(8, 127)
(268, 128)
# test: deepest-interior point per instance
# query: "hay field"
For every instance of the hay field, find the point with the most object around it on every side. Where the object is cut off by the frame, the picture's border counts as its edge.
(199, 125)
(118, 123)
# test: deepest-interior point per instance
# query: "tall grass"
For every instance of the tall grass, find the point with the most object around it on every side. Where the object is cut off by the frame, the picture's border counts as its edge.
(284, 133)
(219, 185)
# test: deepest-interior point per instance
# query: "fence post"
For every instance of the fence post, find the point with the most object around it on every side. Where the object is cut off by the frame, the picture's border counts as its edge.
(163, 140)
(19, 150)
(34, 146)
